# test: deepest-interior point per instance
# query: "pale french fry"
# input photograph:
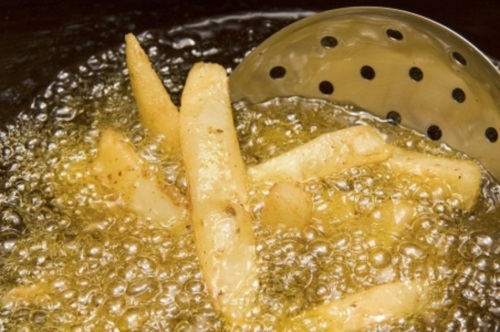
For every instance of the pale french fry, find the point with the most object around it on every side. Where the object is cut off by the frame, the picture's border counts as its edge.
(462, 176)
(218, 190)
(325, 155)
(287, 206)
(157, 112)
(118, 166)
(361, 310)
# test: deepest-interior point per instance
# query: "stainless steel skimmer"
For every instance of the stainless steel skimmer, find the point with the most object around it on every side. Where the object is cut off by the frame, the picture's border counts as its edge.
(395, 64)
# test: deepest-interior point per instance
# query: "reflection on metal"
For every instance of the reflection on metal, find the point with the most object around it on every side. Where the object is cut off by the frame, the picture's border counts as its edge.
(384, 60)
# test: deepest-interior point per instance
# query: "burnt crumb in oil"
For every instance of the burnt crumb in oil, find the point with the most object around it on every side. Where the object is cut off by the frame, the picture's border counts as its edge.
(230, 211)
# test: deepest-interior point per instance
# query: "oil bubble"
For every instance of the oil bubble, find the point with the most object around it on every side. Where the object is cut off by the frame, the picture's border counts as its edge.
(115, 306)
(132, 319)
(143, 289)
(39, 317)
(194, 286)
(412, 251)
(11, 220)
(117, 288)
(379, 258)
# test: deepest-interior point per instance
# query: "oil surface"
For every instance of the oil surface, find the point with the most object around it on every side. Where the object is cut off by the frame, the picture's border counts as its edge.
(85, 265)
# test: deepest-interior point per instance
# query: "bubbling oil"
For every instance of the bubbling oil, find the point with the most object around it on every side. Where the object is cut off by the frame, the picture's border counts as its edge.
(86, 266)
(345, 249)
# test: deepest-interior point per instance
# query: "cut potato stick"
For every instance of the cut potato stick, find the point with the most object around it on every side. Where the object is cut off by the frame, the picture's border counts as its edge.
(325, 155)
(462, 176)
(118, 166)
(359, 311)
(218, 190)
(157, 112)
(287, 206)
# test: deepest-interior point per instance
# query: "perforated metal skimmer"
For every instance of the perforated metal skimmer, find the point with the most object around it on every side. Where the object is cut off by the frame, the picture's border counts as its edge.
(392, 63)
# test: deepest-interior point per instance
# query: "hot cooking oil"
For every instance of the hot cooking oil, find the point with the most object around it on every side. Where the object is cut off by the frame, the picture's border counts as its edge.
(77, 262)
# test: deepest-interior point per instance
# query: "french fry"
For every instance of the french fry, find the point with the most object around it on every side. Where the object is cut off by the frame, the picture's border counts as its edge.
(359, 311)
(325, 155)
(462, 176)
(218, 190)
(287, 206)
(118, 166)
(157, 112)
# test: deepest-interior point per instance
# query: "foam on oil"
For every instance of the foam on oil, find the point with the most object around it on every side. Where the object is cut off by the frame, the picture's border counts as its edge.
(85, 265)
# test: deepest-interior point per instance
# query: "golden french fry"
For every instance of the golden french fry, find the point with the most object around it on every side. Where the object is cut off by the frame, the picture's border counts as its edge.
(287, 206)
(218, 190)
(462, 176)
(157, 112)
(118, 166)
(325, 155)
(357, 312)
